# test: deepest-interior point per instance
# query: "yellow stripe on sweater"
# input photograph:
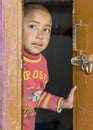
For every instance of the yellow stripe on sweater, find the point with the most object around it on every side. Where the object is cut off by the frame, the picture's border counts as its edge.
(59, 105)
(41, 98)
(46, 101)
(32, 61)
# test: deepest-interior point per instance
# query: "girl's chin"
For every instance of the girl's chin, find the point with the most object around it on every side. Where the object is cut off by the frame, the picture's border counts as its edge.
(32, 53)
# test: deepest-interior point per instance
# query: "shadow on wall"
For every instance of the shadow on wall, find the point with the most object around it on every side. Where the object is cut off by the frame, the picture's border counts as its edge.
(59, 30)
(52, 125)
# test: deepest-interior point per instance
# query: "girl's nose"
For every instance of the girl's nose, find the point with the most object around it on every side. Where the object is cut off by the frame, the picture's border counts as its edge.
(40, 34)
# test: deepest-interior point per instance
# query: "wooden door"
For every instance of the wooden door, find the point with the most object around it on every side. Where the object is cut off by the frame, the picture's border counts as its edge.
(83, 47)
(10, 60)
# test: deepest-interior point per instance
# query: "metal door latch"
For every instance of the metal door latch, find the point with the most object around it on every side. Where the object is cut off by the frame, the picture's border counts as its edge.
(81, 60)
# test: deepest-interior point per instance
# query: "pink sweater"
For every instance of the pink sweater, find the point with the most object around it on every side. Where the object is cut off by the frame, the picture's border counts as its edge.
(35, 77)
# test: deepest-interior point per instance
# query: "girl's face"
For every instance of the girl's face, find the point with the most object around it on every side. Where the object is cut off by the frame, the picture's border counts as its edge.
(37, 31)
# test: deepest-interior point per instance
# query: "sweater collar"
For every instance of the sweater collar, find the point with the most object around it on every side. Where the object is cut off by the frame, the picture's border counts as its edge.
(31, 58)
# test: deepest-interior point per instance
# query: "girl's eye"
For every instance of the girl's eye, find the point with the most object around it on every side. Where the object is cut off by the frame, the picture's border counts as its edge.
(47, 30)
(33, 27)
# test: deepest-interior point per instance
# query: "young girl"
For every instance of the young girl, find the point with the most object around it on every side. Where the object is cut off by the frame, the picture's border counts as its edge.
(37, 32)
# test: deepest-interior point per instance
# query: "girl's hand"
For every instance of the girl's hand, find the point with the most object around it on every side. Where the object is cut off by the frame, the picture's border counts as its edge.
(68, 102)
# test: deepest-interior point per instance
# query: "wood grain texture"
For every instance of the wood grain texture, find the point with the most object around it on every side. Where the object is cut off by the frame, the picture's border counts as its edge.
(11, 55)
(83, 107)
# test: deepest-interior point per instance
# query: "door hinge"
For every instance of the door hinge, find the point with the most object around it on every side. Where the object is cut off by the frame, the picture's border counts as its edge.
(21, 63)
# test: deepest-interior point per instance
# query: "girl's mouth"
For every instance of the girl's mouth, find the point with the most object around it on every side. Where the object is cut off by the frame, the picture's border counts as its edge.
(37, 44)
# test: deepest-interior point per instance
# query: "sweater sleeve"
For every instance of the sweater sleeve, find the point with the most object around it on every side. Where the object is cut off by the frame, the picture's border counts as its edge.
(51, 102)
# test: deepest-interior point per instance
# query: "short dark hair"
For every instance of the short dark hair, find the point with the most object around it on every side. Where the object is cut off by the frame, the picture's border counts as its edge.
(31, 7)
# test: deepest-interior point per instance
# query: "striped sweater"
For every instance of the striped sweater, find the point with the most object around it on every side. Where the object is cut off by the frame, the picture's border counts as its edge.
(35, 76)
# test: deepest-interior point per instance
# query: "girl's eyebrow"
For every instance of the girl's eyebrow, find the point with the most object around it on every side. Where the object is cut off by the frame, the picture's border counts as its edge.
(30, 21)
(50, 26)
(33, 21)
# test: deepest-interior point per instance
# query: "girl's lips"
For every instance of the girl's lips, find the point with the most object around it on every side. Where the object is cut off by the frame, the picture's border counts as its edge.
(37, 44)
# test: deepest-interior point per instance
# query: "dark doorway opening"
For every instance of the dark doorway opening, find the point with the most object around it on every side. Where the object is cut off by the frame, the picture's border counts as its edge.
(58, 54)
